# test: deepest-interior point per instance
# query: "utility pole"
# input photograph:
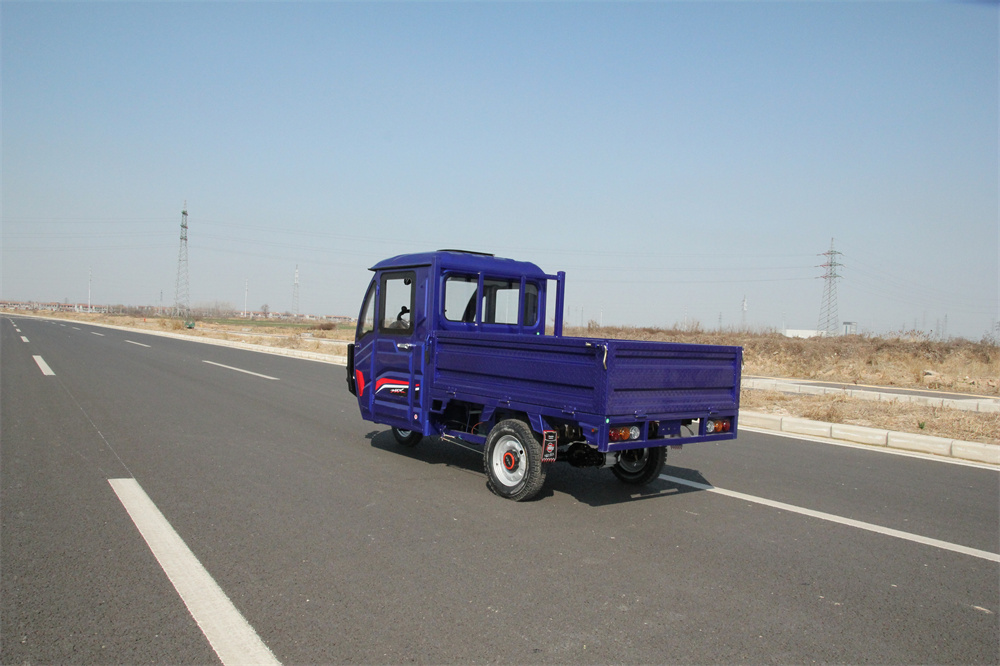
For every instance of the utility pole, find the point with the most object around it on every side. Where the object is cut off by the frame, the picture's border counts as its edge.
(744, 313)
(828, 317)
(246, 292)
(295, 293)
(181, 307)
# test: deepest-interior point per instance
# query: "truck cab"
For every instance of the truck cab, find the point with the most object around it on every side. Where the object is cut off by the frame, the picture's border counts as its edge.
(412, 296)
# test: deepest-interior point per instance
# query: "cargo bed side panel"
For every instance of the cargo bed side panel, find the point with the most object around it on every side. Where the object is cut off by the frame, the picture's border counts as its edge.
(567, 375)
(557, 374)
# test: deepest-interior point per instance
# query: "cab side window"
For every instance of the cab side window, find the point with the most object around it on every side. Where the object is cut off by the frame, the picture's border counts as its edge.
(530, 304)
(397, 302)
(502, 302)
(460, 298)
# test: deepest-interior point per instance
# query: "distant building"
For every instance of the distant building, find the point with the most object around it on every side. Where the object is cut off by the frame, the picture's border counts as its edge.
(803, 333)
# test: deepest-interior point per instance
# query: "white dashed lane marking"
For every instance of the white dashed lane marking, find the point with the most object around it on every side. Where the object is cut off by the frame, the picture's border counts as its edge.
(43, 366)
(229, 367)
(228, 632)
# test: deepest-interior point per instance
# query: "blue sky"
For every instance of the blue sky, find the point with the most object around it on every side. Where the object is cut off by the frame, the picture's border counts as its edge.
(672, 158)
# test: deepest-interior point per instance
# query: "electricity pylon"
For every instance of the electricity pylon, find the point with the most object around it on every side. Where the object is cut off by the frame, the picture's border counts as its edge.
(829, 321)
(182, 305)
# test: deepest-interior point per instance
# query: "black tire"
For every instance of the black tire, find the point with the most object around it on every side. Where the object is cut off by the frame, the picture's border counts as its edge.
(513, 461)
(407, 437)
(637, 467)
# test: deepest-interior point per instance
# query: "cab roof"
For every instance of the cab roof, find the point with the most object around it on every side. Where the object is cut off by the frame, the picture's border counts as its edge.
(460, 260)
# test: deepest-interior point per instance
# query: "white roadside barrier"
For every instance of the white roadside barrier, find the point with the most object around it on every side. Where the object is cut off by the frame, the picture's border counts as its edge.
(942, 446)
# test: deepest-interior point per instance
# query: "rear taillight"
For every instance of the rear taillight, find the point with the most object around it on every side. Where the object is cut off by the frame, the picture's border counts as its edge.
(624, 433)
(718, 426)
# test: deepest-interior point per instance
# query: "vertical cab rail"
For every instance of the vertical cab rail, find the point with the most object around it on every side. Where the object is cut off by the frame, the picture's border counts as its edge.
(415, 406)
(557, 327)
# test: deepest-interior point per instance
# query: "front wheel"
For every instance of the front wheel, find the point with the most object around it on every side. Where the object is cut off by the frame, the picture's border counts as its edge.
(637, 467)
(407, 437)
(513, 460)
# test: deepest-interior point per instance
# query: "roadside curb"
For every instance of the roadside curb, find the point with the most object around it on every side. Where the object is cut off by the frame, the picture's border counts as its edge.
(970, 404)
(941, 446)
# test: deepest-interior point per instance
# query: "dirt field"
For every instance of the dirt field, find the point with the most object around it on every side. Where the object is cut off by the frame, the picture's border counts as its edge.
(955, 365)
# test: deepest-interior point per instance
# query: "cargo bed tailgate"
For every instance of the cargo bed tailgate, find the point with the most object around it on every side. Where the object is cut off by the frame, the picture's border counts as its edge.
(659, 379)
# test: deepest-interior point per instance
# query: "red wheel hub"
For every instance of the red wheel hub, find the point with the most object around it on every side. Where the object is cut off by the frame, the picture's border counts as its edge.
(510, 461)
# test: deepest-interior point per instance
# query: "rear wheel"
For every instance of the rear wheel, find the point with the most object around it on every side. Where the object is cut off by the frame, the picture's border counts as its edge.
(637, 467)
(407, 437)
(513, 460)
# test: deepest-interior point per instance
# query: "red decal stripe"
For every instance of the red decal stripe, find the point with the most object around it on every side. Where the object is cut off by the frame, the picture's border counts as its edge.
(379, 383)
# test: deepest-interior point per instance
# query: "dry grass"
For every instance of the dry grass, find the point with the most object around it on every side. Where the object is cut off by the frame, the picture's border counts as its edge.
(897, 416)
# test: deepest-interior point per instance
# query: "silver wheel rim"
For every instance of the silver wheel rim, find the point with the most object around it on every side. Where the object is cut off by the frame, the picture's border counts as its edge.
(506, 473)
(631, 464)
(404, 433)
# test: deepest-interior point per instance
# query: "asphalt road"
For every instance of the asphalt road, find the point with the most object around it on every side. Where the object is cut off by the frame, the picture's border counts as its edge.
(337, 546)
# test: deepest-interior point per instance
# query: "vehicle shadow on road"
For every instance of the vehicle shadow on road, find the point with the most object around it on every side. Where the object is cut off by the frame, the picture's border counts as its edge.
(591, 486)
(599, 487)
(432, 450)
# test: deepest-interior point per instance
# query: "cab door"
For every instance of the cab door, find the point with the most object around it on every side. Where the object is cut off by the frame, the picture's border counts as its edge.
(388, 360)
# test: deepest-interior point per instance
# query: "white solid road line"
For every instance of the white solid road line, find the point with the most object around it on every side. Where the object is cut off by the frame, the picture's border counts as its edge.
(871, 527)
(229, 367)
(131, 342)
(231, 636)
(43, 366)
